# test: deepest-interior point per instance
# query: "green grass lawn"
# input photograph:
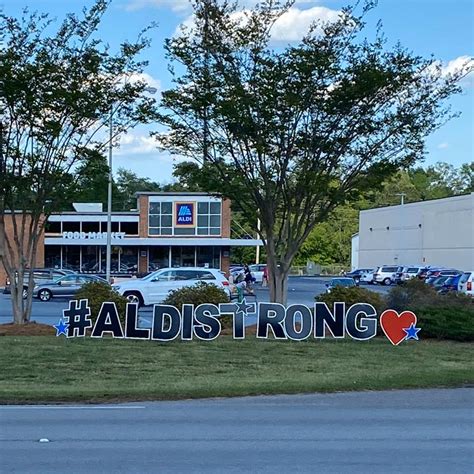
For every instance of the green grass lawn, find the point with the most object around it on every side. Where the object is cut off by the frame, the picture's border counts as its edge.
(50, 369)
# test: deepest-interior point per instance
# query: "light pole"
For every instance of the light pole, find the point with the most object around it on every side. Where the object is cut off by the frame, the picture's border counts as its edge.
(402, 197)
(108, 251)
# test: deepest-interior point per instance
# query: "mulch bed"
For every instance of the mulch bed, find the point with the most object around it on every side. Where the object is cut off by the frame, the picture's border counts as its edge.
(29, 329)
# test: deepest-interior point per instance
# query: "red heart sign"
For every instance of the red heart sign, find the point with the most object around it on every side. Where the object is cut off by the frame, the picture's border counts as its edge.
(393, 324)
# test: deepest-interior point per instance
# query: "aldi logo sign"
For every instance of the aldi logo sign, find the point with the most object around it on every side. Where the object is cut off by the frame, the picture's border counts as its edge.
(184, 214)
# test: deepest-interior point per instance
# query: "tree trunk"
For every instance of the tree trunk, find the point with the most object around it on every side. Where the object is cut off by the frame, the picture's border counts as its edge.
(277, 282)
(17, 300)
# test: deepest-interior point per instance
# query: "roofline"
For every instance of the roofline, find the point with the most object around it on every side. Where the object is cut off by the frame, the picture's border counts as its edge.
(175, 193)
(457, 196)
(101, 213)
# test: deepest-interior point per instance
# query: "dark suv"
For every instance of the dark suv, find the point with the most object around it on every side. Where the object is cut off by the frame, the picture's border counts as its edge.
(40, 275)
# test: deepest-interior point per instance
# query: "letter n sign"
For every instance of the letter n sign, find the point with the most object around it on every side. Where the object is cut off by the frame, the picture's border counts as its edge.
(184, 214)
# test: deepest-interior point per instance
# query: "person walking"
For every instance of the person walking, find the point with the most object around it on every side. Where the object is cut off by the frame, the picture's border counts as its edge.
(265, 277)
(249, 279)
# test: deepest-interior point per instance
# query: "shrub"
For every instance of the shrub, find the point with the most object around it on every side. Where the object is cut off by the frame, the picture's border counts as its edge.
(197, 294)
(97, 293)
(446, 322)
(414, 292)
(352, 296)
(449, 316)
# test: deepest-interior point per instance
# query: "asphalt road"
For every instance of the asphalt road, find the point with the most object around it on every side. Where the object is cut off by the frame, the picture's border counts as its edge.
(417, 431)
(300, 290)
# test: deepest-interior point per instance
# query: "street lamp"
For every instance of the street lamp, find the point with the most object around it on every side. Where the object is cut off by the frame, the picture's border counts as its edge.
(108, 255)
(402, 197)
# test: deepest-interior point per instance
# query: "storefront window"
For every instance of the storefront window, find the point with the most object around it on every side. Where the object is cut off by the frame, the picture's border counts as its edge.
(72, 257)
(129, 260)
(52, 256)
(130, 228)
(183, 256)
(158, 257)
(114, 259)
(90, 258)
(209, 218)
(160, 221)
(114, 226)
(91, 227)
(208, 257)
(53, 228)
(71, 226)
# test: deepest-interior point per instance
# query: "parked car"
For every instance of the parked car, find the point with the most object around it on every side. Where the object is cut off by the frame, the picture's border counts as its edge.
(368, 277)
(358, 273)
(236, 270)
(408, 273)
(154, 288)
(442, 272)
(436, 272)
(385, 275)
(466, 283)
(257, 271)
(438, 282)
(40, 275)
(451, 284)
(399, 273)
(344, 282)
(65, 286)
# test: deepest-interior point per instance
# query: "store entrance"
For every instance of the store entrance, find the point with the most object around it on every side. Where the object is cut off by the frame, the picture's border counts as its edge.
(183, 256)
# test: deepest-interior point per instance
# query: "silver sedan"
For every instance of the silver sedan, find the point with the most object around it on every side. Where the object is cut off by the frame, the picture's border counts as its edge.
(65, 286)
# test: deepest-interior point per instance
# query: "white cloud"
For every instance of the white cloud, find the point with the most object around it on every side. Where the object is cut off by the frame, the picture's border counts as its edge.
(138, 152)
(136, 144)
(289, 27)
(461, 63)
(443, 146)
(293, 25)
(146, 78)
(174, 5)
(185, 6)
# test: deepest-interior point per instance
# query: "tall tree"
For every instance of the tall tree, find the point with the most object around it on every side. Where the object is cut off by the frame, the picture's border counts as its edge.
(290, 133)
(128, 183)
(58, 90)
(92, 178)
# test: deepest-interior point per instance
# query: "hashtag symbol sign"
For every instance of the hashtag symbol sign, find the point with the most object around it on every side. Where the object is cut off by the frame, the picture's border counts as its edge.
(77, 316)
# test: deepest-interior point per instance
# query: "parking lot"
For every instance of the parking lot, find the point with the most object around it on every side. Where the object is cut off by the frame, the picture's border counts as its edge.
(300, 290)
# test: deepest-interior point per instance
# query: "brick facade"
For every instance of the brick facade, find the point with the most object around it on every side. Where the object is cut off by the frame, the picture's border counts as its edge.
(143, 232)
(225, 224)
(143, 210)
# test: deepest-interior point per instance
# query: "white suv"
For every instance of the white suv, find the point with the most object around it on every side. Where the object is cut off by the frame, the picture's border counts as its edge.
(466, 283)
(385, 275)
(154, 288)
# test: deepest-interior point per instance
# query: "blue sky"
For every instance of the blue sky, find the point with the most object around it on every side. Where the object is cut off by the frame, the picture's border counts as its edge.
(443, 28)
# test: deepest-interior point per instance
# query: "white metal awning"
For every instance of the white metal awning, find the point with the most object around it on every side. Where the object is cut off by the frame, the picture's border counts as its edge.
(158, 242)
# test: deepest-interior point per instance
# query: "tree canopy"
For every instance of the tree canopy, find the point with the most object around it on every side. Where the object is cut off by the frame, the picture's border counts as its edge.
(59, 90)
(290, 133)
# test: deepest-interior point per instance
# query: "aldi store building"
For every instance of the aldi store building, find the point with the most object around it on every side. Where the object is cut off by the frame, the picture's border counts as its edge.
(166, 230)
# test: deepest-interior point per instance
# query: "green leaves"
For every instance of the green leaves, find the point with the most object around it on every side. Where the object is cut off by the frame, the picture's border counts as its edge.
(291, 133)
(57, 89)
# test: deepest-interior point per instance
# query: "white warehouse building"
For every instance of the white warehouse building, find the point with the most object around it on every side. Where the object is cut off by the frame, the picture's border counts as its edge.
(437, 232)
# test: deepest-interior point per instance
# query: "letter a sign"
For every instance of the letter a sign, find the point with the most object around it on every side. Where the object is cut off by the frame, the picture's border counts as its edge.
(184, 214)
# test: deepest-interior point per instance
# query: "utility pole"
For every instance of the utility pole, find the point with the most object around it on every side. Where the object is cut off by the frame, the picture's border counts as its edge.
(108, 256)
(205, 145)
